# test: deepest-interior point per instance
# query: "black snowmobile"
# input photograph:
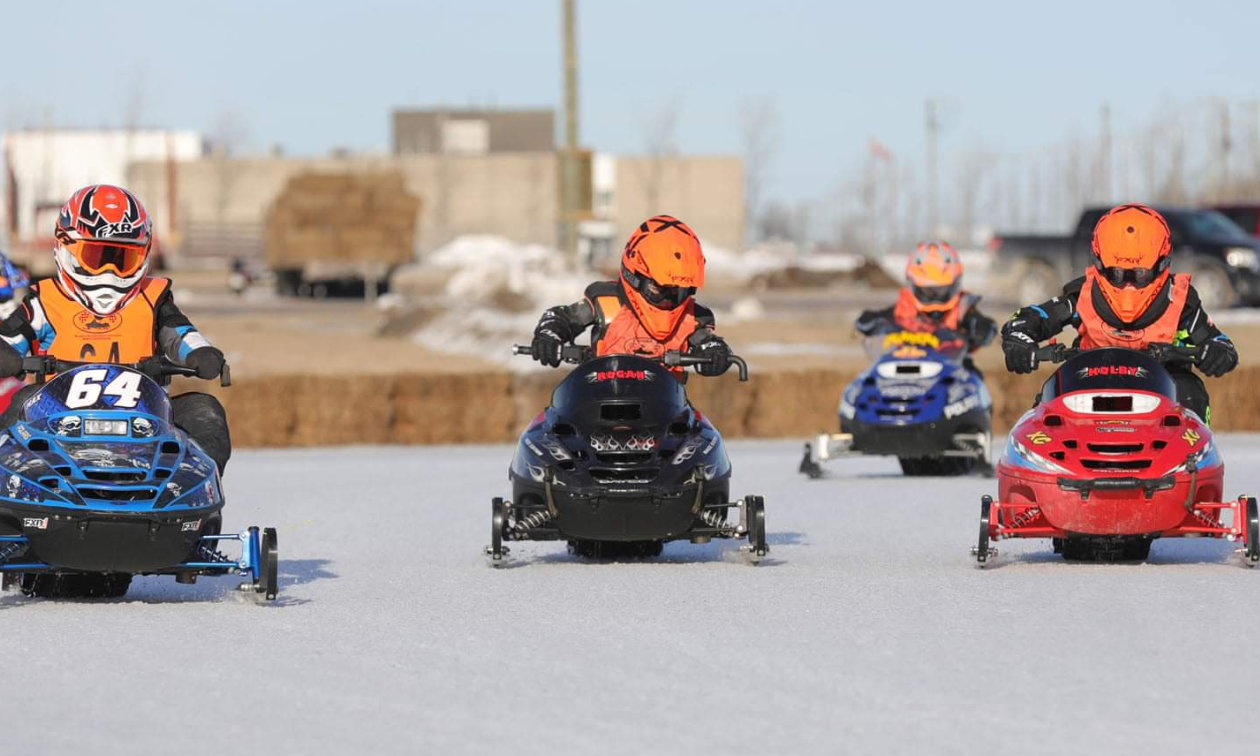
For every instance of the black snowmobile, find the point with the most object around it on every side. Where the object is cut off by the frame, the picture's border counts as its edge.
(620, 463)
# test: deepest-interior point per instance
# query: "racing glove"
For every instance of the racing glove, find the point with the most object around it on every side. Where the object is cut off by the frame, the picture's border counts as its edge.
(979, 331)
(553, 331)
(1218, 357)
(10, 362)
(704, 343)
(1020, 350)
(206, 360)
(869, 322)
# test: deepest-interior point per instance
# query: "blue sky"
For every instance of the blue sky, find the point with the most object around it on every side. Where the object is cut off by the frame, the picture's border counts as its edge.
(312, 75)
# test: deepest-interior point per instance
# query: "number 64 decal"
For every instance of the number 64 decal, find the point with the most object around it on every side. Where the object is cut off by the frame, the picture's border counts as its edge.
(88, 385)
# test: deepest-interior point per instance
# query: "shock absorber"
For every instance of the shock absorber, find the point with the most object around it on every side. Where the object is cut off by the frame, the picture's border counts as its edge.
(713, 518)
(535, 519)
(10, 550)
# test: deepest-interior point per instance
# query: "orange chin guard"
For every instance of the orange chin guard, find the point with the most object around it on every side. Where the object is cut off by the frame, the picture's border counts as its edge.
(662, 266)
(1131, 255)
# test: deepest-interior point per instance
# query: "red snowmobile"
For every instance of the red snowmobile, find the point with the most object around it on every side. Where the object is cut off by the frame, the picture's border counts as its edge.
(1106, 461)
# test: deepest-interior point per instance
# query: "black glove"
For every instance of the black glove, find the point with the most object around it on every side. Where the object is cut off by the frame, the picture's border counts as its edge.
(10, 362)
(1218, 358)
(206, 360)
(705, 344)
(979, 330)
(869, 322)
(1021, 352)
(554, 330)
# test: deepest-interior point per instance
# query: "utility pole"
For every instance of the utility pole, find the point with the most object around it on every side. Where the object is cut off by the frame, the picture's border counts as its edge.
(569, 164)
(932, 126)
(1104, 155)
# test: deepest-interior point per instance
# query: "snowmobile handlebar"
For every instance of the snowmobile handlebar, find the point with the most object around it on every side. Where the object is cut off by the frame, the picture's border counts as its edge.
(43, 365)
(576, 353)
(1054, 353)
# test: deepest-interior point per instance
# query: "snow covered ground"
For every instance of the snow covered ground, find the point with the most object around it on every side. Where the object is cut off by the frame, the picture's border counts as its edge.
(869, 630)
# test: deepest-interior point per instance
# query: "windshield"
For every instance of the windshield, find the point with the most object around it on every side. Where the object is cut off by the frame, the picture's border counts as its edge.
(910, 345)
(620, 389)
(1209, 224)
(99, 387)
(1110, 369)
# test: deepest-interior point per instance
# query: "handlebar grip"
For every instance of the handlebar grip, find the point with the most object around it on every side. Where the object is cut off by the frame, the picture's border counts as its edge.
(225, 377)
(518, 349)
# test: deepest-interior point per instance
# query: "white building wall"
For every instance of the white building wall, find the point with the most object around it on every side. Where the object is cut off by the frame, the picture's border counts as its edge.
(49, 165)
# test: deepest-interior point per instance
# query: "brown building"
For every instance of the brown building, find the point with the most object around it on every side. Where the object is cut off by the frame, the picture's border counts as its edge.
(472, 132)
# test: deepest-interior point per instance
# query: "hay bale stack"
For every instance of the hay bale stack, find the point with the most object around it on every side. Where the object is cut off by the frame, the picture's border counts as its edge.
(344, 218)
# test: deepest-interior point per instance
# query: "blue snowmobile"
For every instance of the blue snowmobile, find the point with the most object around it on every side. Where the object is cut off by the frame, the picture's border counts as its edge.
(97, 485)
(921, 401)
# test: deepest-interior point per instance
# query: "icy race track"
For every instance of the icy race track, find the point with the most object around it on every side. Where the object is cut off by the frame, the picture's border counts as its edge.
(869, 631)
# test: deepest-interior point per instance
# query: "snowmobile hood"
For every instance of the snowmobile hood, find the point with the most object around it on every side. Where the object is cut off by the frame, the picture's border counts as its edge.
(618, 392)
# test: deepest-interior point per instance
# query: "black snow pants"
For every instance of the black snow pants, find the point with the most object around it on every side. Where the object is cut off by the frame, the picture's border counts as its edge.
(1191, 393)
(199, 415)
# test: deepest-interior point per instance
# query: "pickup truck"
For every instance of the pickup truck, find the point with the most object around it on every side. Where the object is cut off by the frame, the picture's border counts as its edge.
(1222, 258)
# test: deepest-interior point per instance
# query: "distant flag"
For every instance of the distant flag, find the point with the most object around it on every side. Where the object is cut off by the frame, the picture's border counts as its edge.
(880, 151)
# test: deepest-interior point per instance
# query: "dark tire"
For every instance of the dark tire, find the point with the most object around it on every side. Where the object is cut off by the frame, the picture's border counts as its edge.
(1038, 283)
(76, 585)
(982, 543)
(1253, 532)
(269, 566)
(1137, 550)
(498, 525)
(757, 525)
(946, 467)
(1106, 549)
(1212, 283)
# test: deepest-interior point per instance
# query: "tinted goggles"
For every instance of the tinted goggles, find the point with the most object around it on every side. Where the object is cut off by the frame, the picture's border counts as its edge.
(96, 257)
(935, 294)
(1139, 278)
(665, 297)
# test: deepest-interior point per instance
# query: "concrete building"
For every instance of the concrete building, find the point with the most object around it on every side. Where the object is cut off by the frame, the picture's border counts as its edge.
(45, 167)
(472, 132)
(222, 203)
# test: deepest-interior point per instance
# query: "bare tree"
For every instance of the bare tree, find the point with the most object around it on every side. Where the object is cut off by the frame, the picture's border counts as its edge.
(759, 132)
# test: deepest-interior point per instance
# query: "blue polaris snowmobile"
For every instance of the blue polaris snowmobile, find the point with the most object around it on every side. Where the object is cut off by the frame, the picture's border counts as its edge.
(921, 401)
(97, 485)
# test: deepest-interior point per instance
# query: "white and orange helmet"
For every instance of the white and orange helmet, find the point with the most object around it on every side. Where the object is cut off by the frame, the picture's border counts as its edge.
(103, 241)
(934, 275)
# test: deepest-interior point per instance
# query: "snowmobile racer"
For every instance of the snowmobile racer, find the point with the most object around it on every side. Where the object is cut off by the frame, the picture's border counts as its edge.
(102, 307)
(12, 281)
(648, 311)
(933, 300)
(1128, 298)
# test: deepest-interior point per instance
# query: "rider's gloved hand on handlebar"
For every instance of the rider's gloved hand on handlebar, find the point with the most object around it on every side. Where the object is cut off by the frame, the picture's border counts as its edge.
(869, 322)
(1218, 358)
(206, 360)
(705, 344)
(1021, 352)
(10, 362)
(553, 331)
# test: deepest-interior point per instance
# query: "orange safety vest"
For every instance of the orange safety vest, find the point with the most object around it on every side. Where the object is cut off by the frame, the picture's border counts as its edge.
(123, 336)
(622, 333)
(1096, 332)
(908, 318)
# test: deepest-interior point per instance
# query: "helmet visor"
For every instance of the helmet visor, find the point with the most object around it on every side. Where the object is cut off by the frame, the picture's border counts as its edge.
(96, 257)
(935, 294)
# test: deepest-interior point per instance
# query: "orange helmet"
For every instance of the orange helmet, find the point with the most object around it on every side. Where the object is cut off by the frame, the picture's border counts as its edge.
(103, 240)
(661, 268)
(1131, 255)
(934, 275)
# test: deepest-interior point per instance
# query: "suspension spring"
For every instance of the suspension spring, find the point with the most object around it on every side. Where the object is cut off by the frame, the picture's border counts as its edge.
(713, 518)
(533, 520)
(208, 553)
(1025, 517)
(10, 550)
